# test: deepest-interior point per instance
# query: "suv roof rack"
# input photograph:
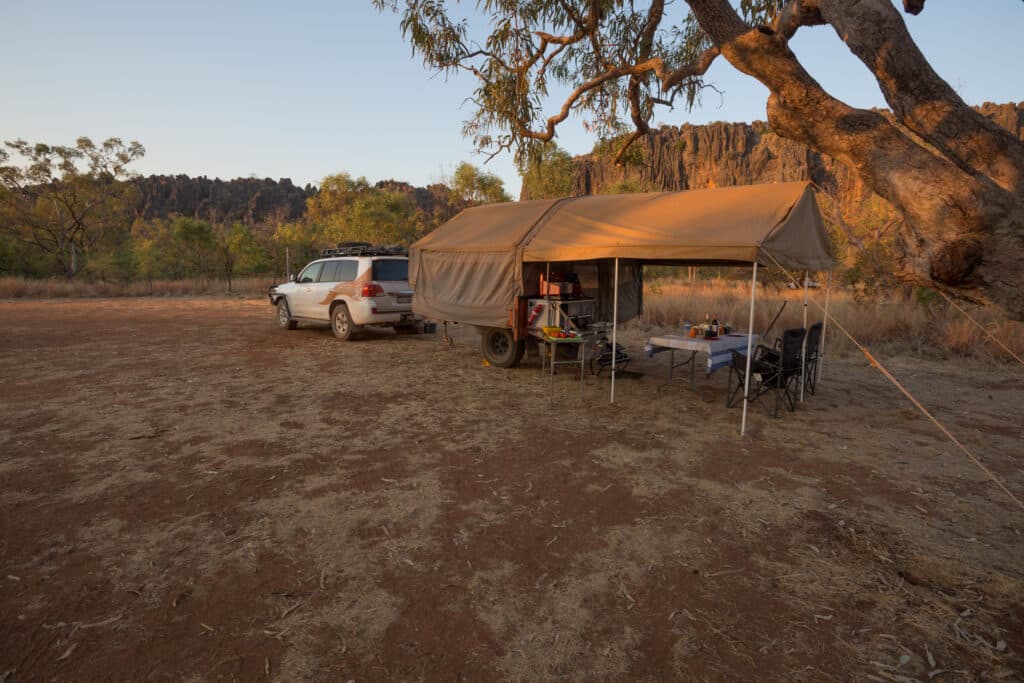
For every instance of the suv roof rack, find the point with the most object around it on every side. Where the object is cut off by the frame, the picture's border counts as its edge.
(365, 249)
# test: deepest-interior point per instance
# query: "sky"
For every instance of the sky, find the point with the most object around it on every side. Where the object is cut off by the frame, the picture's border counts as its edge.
(304, 89)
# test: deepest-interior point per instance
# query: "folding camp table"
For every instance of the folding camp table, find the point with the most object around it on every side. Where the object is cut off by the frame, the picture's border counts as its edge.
(552, 344)
(719, 350)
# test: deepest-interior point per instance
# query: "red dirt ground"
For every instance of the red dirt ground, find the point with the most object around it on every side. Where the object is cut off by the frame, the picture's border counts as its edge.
(190, 493)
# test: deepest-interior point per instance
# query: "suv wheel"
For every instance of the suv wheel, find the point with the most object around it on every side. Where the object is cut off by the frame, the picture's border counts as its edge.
(500, 349)
(341, 323)
(284, 316)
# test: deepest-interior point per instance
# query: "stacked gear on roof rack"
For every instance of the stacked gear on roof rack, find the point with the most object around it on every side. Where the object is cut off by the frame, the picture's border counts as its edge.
(364, 249)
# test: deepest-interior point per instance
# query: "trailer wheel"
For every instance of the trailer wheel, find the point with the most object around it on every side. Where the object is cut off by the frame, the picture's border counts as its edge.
(500, 349)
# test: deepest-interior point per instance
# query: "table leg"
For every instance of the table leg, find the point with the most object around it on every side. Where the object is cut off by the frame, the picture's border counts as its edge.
(693, 369)
(551, 382)
(579, 351)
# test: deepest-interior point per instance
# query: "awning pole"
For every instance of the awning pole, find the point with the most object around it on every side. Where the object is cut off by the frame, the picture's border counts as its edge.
(615, 324)
(803, 351)
(750, 343)
(547, 293)
(824, 325)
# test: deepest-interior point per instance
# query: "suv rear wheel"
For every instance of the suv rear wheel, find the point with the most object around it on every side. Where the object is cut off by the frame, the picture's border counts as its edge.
(341, 323)
(500, 349)
(284, 316)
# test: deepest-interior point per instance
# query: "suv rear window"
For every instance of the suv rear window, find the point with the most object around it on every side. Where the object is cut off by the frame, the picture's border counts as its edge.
(390, 270)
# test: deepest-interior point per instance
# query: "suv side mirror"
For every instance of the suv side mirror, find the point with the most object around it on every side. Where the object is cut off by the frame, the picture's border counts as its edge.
(291, 278)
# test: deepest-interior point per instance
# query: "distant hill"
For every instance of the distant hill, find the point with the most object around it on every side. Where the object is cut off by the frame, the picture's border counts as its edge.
(249, 200)
(256, 201)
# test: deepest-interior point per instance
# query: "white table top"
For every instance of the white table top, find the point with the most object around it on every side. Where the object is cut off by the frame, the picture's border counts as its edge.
(734, 340)
(719, 350)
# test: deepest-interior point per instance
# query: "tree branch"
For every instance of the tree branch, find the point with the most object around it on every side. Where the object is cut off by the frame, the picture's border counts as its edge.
(699, 67)
(796, 14)
(921, 100)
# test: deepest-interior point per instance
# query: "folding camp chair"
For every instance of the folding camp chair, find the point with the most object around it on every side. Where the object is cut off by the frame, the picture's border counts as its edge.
(774, 371)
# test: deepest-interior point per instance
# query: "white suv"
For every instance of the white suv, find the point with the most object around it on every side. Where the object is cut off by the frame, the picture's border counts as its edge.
(350, 288)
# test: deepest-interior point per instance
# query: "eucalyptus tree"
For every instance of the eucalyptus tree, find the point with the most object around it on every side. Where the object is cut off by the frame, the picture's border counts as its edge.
(63, 201)
(472, 186)
(954, 176)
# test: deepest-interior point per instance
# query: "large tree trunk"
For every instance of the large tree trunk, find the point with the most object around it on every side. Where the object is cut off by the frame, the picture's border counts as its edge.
(920, 99)
(964, 227)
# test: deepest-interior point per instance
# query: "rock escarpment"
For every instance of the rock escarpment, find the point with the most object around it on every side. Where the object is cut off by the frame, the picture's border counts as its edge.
(262, 201)
(249, 200)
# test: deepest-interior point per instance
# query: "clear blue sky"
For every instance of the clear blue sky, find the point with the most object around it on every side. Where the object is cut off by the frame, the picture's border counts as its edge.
(305, 89)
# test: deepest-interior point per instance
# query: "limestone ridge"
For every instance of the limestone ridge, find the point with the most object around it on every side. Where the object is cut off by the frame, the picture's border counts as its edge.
(261, 201)
(249, 200)
(723, 154)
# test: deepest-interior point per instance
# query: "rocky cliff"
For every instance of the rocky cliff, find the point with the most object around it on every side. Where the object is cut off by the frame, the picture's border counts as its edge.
(722, 154)
(249, 200)
(261, 202)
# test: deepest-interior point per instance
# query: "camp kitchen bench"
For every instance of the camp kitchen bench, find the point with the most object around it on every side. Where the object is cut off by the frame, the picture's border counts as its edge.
(719, 350)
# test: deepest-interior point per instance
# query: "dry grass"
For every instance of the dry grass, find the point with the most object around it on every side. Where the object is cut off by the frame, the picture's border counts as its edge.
(935, 330)
(54, 288)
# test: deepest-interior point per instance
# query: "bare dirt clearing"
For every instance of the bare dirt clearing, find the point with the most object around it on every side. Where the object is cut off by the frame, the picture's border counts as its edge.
(189, 492)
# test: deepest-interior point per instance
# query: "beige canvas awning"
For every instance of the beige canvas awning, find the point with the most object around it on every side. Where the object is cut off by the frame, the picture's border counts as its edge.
(727, 224)
(470, 269)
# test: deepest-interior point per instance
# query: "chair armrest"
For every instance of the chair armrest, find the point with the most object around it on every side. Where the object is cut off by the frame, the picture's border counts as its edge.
(768, 359)
(767, 354)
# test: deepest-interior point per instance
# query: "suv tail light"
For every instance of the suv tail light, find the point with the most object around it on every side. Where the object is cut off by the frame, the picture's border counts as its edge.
(372, 290)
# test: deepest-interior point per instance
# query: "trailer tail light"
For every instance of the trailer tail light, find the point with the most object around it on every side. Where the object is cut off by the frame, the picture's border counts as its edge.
(372, 290)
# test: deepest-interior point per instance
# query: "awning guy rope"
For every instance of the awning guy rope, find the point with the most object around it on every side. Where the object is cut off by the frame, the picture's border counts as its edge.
(888, 375)
(981, 327)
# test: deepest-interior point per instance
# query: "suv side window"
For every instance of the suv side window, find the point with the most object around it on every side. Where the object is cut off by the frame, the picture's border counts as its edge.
(311, 272)
(330, 271)
(349, 270)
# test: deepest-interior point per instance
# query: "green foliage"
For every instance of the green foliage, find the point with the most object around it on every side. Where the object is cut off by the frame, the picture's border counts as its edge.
(69, 211)
(328, 207)
(472, 186)
(530, 48)
(609, 148)
(194, 242)
(546, 172)
(66, 201)
(870, 274)
(352, 210)
(381, 218)
(156, 254)
(239, 252)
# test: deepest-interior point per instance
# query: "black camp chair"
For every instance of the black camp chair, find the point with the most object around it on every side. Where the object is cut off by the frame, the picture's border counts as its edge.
(811, 358)
(775, 371)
